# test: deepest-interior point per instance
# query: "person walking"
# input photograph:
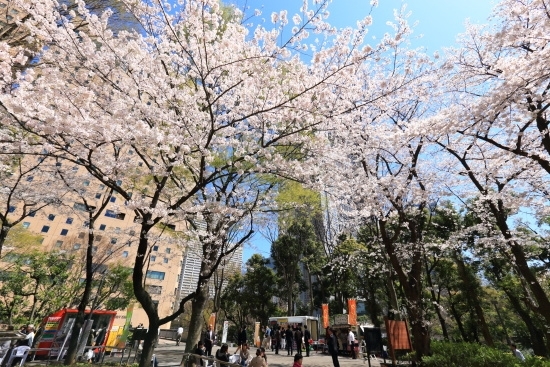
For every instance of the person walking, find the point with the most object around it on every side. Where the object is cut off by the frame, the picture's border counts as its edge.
(332, 346)
(288, 337)
(179, 333)
(307, 337)
(209, 337)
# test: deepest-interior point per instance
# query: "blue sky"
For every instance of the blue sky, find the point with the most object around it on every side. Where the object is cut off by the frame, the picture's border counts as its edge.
(438, 24)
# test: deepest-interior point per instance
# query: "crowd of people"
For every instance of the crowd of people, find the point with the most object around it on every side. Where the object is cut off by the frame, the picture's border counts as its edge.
(18, 348)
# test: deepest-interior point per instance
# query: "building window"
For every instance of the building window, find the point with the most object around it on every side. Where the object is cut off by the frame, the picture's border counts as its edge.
(86, 183)
(151, 274)
(32, 214)
(154, 289)
(94, 249)
(112, 199)
(30, 178)
(124, 253)
(168, 250)
(118, 182)
(153, 258)
(58, 164)
(11, 209)
(110, 214)
(121, 216)
(51, 217)
(26, 225)
(81, 235)
(155, 248)
(102, 227)
(64, 232)
(166, 260)
(75, 168)
(45, 229)
(76, 246)
(117, 229)
(58, 243)
(86, 224)
(98, 195)
(113, 241)
(132, 232)
(101, 186)
(98, 238)
(69, 220)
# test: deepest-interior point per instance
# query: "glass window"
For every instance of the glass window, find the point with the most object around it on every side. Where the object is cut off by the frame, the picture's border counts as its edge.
(101, 186)
(32, 214)
(79, 206)
(165, 260)
(118, 182)
(30, 178)
(168, 250)
(155, 248)
(69, 220)
(98, 195)
(132, 232)
(45, 229)
(110, 214)
(112, 199)
(58, 164)
(102, 227)
(75, 168)
(124, 253)
(151, 274)
(11, 209)
(81, 235)
(86, 224)
(76, 246)
(86, 183)
(64, 232)
(117, 229)
(113, 241)
(153, 258)
(51, 217)
(58, 243)
(26, 224)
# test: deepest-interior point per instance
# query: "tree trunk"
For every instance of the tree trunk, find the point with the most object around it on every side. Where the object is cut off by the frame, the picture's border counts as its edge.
(436, 305)
(458, 320)
(34, 300)
(195, 324)
(84, 300)
(4, 230)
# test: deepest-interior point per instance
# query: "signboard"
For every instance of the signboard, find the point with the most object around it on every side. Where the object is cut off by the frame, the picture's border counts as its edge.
(398, 336)
(352, 312)
(50, 329)
(324, 307)
(257, 342)
(225, 329)
(341, 319)
(373, 339)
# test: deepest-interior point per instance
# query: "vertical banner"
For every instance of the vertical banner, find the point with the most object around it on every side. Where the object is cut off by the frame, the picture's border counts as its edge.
(325, 315)
(212, 321)
(225, 329)
(352, 312)
(257, 341)
(127, 324)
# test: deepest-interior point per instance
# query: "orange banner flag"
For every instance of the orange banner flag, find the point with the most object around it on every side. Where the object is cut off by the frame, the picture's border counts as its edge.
(352, 312)
(324, 307)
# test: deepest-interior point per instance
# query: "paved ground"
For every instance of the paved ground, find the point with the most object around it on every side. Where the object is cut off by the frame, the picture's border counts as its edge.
(168, 354)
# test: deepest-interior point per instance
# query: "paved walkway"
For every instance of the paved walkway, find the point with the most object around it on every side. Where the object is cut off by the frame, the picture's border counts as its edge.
(168, 354)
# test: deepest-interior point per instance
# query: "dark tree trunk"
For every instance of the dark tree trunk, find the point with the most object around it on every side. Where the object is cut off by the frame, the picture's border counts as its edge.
(458, 320)
(196, 322)
(84, 300)
(435, 302)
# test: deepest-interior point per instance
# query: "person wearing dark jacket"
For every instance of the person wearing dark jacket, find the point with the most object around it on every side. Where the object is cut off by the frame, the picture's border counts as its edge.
(288, 337)
(222, 355)
(332, 344)
(201, 352)
(307, 337)
(241, 338)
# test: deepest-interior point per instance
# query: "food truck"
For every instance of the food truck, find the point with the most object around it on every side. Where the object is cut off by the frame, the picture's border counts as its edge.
(295, 321)
(55, 330)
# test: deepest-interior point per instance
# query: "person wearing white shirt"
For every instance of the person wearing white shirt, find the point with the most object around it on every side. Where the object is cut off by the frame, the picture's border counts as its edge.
(517, 353)
(179, 333)
(30, 335)
(351, 343)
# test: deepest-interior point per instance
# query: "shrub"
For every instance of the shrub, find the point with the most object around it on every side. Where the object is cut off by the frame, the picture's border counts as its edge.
(469, 355)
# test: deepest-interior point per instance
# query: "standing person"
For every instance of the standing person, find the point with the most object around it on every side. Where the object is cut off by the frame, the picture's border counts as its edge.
(267, 337)
(298, 360)
(241, 338)
(288, 337)
(209, 337)
(517, 353)
(99, 341)
(283, 337)
(277, 337)
(307, 337)
(351, 343)
(332, 346)
(258, 361)
(179, 333)
(298, 338)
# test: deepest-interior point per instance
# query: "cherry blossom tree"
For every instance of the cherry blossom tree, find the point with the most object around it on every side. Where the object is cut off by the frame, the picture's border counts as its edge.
(160, 115)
